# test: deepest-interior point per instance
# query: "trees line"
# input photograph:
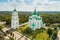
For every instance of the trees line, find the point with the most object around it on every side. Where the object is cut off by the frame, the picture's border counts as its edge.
(47, 18)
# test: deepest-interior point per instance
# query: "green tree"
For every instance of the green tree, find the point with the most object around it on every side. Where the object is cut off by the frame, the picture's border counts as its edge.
(42, 36)
(1, 27)
(11, 38)
(49, 32)
(28, 31)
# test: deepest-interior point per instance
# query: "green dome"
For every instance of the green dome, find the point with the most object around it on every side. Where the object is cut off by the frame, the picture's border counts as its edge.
(35, 11)
(15, 9)
(33, 24)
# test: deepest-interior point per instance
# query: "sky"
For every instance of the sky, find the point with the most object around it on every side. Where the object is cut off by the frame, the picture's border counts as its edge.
(30, 5)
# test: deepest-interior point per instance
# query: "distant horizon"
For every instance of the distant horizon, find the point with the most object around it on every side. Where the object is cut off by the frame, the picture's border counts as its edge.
(30, 11)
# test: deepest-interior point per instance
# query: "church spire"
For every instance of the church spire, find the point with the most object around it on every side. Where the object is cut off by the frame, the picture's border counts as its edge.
(15, 19)
(15, 9)
(35, 11)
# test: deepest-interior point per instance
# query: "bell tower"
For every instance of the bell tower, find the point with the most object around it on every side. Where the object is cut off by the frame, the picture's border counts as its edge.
(15, 19)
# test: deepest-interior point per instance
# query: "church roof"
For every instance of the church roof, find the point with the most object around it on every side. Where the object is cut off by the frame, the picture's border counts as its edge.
(35, 13)
(14, 9)
(33, 24)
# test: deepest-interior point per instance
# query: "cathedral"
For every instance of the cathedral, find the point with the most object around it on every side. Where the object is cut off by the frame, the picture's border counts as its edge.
(35, 21)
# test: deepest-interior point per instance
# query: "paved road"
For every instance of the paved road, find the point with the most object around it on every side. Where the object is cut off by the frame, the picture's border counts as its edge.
(17, 35)
(58, 35)
(24, 23)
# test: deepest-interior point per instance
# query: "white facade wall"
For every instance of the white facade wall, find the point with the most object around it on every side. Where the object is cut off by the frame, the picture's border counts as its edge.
(33, 20)
(14, 20)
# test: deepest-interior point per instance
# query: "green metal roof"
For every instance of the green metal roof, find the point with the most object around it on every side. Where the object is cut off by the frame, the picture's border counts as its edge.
(14, 9)
(35, 18)
(33, 24)
(35, 11)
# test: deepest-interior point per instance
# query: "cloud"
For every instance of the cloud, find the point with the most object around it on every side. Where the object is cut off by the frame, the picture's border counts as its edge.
(23, 5)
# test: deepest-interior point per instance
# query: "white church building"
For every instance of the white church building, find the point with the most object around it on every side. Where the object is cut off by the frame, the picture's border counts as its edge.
(15, 19)
(35, 21)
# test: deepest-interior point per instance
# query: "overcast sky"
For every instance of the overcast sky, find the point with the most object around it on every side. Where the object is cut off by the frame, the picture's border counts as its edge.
(30, 5)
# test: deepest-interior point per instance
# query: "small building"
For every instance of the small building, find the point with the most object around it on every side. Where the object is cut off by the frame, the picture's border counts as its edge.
(2, 23)
(35, 21)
